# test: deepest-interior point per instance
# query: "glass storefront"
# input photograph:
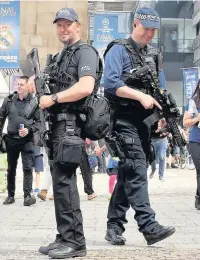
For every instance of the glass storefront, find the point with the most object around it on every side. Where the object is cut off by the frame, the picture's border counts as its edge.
(175, 35)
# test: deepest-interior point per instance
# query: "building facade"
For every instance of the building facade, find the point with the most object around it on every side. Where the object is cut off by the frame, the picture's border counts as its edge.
(175, 40)
(196, 24)
(123, 9)
(37, 31)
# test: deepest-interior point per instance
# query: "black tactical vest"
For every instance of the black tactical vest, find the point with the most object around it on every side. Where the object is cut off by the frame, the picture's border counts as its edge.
(139, 58)
(22, 116)
(65, 74)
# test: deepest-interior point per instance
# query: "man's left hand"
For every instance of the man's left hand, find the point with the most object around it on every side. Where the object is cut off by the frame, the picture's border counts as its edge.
(23, 132)
(46, 101)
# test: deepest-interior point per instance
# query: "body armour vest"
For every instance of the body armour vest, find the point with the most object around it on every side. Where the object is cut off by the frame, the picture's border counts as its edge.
(139, 58)
(20, 116)
(64, 74)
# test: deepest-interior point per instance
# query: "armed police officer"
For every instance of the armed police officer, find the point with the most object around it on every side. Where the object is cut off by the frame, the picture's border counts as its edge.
(75, 76)
(131, 108)
(21, 109)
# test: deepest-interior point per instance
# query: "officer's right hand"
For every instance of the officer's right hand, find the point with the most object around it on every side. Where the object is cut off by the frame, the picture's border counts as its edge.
(149, 102)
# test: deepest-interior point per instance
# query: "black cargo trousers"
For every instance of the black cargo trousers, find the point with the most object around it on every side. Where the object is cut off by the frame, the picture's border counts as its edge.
(132, 188)
(66, 197)
(14, 147)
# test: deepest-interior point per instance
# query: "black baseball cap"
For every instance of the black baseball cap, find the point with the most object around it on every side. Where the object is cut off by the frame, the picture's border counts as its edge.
(66, 13)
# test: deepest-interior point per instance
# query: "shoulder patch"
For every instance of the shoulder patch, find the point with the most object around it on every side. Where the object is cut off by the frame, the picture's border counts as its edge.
(85, 68)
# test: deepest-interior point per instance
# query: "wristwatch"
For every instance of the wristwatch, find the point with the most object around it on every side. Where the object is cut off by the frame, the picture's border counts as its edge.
(54, 98)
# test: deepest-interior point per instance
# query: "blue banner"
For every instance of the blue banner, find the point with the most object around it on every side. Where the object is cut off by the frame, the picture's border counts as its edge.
(9, 34)
(105, 31)
(190, 80)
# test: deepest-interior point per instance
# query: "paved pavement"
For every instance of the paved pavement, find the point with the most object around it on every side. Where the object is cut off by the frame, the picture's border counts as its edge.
(24, 229)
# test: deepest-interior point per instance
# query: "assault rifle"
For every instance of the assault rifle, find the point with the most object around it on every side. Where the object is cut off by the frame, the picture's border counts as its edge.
(169, 108)
(42, 88)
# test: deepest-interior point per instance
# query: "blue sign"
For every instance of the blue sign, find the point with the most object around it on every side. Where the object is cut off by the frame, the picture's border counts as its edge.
(105, 31)
(9, 34)
(190, 80)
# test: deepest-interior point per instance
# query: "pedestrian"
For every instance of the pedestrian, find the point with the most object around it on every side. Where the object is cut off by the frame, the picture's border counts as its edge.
(101, 152)
(112, 171)
(38, 167)
(46, 181)
(133, 137)
(174, 38)
(101, 158)
(160, 144)
(86, 172)
(191, 119)
(76, 71)
(21, 109)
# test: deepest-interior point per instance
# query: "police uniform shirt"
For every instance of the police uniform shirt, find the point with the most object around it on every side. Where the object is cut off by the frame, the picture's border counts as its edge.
(117, 61)
(83, 62)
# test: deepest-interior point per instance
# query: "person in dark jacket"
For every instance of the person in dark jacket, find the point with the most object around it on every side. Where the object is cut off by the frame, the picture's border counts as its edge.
(21, 109)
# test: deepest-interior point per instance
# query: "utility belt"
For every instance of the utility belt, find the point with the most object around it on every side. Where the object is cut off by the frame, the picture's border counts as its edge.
(70, 145)
(123, 148)
(118, 146)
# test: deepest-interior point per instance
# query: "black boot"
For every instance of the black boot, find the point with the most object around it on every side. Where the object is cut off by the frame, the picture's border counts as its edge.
(158, 233)
(9, 200)
(29, 200)
(197, 202)
(46, 249)
(67, 251)
(114, 236)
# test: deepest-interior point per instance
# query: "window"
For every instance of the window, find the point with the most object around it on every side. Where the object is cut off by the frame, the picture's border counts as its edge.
(177, 35)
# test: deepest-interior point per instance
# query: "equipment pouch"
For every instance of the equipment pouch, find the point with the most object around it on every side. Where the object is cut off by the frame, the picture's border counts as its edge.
(70, 150)
(97, 124)
(113, 143)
